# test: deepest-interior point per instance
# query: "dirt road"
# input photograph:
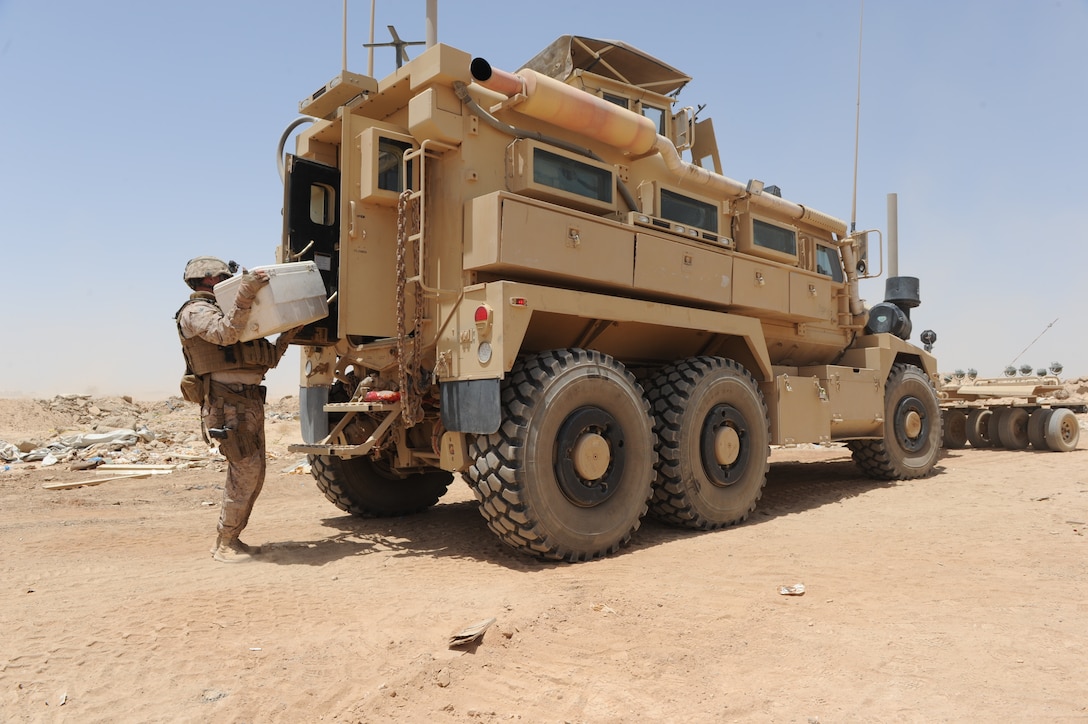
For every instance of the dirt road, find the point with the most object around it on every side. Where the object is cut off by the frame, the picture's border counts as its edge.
(959, 597)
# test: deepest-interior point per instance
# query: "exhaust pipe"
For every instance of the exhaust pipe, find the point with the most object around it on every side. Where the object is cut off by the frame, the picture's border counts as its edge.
(550, 100)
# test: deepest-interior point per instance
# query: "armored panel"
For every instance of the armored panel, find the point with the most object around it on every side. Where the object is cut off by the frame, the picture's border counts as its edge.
(522, 239)
(856, 398)
(811, 297)
(799, 409)
(762, 286)
(677, 269)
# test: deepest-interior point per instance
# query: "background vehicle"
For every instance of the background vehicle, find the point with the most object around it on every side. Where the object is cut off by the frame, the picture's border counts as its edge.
(1009, 412)
(534, 289)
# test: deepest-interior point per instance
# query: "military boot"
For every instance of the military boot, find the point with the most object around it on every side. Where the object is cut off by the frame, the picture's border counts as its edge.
(232, 550)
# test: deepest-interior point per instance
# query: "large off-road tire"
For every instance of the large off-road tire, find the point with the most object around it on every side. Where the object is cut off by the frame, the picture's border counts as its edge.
(1062, 430)
(955, 429)
(1037, 428)
(713, 443)
(1013, 428)
(995, 427)
(364, 488)
(912, 429)
(978, 428)
(568, 475)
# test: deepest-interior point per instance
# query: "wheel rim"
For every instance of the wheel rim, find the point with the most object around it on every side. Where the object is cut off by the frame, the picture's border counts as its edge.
(911, 424)
(589, 456)
(724, 445)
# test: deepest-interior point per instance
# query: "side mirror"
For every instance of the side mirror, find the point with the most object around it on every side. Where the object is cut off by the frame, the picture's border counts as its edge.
(863, 265)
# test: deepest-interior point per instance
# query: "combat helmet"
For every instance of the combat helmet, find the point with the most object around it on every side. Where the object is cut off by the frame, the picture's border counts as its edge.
(205, 266)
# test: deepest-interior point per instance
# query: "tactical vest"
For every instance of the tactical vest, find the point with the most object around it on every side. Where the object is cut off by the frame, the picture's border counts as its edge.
(202, 356)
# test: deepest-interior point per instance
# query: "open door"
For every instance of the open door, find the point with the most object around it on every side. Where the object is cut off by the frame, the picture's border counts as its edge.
(311, 229)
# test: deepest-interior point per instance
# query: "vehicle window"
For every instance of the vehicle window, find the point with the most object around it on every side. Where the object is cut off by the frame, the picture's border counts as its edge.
(828, 263)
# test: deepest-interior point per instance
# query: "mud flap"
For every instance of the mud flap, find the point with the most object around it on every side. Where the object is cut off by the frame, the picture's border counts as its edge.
(313, 419)
(471, 406)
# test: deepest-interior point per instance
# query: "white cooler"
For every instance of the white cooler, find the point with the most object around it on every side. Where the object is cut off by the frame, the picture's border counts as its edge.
(294, 296)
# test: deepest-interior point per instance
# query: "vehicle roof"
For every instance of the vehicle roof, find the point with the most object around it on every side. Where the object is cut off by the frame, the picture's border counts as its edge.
(610, 59)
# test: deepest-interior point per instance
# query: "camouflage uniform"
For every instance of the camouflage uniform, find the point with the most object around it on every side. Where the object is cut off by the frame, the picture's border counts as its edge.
(232, 372)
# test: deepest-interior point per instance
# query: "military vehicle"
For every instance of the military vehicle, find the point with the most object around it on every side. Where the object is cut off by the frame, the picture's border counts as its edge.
(1011, 412)
(532, 288)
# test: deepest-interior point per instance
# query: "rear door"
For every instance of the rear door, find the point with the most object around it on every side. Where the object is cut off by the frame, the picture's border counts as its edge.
(311, 227)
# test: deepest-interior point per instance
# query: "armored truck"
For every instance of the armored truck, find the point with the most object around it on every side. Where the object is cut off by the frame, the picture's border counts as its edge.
(542, 282)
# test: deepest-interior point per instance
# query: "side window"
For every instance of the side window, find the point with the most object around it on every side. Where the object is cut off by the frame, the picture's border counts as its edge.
(828, 263)
(774, 237)
(657, 115)
(390, 164)
(322, 204)
(618, 100)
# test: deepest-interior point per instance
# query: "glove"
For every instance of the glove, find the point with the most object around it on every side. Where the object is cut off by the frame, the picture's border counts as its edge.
(247, 290)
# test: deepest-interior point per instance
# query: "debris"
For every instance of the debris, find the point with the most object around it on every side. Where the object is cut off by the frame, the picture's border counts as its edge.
(141, 467)
(93, 481)
(797, 589)
(88, 464)
(471, 634)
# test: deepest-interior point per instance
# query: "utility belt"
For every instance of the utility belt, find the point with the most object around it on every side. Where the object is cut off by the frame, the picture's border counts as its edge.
(238, 392)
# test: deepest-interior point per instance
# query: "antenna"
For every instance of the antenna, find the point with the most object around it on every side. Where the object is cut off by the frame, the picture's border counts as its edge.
(1033, 342)
(344, 40)
(857, 126)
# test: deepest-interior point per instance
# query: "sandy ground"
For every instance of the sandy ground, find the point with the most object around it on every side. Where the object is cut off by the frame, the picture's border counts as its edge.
(961, 597)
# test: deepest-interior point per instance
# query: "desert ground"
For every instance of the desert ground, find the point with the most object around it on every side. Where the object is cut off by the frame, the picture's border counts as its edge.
(958, 597)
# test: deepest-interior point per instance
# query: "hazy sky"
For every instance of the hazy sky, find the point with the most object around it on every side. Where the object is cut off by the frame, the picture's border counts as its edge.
(138, 134)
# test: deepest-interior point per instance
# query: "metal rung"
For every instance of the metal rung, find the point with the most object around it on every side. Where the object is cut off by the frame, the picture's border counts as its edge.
(360, 407)
(341, 451)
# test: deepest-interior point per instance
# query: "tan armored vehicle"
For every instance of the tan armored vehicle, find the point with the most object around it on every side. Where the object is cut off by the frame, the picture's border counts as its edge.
(533, 289)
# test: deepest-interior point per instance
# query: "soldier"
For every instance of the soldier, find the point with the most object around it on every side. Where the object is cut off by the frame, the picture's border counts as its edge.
(231, 395)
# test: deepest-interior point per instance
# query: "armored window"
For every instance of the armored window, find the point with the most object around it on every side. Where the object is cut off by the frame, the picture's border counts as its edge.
(657, 115)
(572, 176)
(322, 204)
(774, 238)
(391, 164)
(686, 210)
(828, 263)
(618, 100)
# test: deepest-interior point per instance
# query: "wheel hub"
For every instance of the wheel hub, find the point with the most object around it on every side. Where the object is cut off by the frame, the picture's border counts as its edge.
(589, 456)
(911, 424)
(724, 445)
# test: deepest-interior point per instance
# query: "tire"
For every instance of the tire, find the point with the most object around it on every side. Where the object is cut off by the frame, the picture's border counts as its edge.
(955, 429)
(1013, 428)
(1037, 428)
(1062, 430)
(978, 428)
(994, 429)
(912, 429)
(365, 488)
(713, 443)
(569, 474)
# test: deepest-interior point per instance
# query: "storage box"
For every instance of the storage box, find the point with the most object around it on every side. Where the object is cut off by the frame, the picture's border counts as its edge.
(294, 296)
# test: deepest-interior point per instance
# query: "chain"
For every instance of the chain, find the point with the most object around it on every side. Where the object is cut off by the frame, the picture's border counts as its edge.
(410, 389)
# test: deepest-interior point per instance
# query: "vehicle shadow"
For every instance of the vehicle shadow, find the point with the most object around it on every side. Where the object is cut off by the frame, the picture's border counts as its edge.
(457, 530)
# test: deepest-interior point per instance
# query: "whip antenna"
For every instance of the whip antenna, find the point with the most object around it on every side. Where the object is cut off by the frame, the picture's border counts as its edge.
(857, 126)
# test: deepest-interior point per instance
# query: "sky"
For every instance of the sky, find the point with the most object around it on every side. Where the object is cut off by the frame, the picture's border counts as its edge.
(138, 134)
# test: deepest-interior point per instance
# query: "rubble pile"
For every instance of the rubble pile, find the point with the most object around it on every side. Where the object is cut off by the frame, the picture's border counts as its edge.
(84, 431)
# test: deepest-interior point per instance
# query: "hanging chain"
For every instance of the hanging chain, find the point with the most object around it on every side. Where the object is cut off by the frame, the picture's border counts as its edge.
(411, 391)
